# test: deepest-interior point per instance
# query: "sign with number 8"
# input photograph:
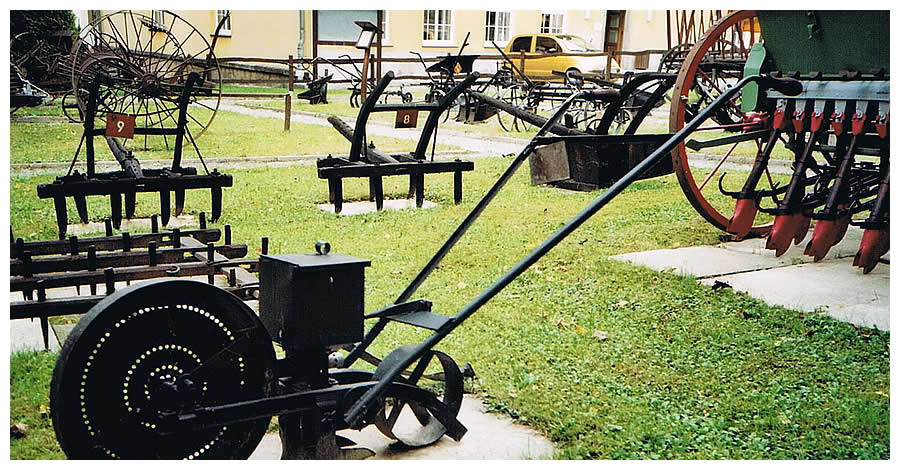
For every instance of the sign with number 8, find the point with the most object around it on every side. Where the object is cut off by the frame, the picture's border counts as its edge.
(406, 118)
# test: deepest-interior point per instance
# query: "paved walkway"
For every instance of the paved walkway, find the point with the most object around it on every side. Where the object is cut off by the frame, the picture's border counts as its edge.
(490, 436)
(473, 144)
(832, 286)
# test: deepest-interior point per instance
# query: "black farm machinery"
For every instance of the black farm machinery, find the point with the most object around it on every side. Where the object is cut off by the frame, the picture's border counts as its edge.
(183, 369)
(136, 79)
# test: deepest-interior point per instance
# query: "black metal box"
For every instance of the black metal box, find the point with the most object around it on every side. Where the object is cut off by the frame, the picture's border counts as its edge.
(312, 301)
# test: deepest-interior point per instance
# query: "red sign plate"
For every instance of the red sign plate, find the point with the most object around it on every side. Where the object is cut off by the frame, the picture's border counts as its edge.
(406, 118)
(119, 125)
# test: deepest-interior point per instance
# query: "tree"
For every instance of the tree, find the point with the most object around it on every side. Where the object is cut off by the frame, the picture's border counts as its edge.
(33, 42)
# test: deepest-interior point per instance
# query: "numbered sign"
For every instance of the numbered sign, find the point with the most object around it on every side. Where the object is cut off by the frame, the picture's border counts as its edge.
(406, 118)
(119, 125)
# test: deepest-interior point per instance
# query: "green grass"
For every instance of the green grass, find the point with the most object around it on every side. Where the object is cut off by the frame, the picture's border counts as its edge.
(607, 359)
(229, 135)
(339, 105)
(29, 391)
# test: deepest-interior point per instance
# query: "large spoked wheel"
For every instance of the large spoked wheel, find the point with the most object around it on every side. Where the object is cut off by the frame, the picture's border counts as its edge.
(163, 346)
(714, 64)
(148, 64)
(410, 422)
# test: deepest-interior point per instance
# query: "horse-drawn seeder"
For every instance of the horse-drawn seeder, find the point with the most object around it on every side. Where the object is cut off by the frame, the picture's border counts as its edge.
(181, 369)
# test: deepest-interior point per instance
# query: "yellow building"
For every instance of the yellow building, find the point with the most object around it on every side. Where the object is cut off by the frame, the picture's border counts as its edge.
(332, 33)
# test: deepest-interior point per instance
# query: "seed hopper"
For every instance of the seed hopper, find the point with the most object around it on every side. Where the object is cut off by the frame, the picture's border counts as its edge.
(181, 369)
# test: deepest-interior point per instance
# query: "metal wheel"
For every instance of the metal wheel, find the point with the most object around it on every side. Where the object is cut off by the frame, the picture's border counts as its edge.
(714, 63)
(409, 422)
(70, 107)
(148, 64)
(166, 345)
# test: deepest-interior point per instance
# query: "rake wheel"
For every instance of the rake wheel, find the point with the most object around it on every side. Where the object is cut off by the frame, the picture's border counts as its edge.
(162, 346)
(146, 65)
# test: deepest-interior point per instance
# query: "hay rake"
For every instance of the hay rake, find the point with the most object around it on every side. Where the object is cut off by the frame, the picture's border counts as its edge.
(136, 78)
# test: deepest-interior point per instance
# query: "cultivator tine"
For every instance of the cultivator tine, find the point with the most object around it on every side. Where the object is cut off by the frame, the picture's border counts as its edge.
(115, 206)
(791, 223)
(81, 207)
(165, 207)
(179, 202)
(833, 220)
(745, 209)
(876, 239)
(62, 216)
(216, 193)
(130, 203)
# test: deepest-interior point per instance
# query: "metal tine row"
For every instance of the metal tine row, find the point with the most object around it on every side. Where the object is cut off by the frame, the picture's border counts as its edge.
(116, 208)
(208, 255)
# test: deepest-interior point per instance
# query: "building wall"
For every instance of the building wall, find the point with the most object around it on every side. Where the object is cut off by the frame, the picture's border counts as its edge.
(277, 33)
(644, 29)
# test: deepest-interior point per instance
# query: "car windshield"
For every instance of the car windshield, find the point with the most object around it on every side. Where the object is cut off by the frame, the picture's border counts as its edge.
(576, 44)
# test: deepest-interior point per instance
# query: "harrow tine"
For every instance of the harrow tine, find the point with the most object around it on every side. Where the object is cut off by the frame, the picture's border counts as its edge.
(81, 207)
(130, 203)
(785, 228)
(826, 234)
(62, 216)
(875, 243)
(831, 229)
(164, 207)
(179, 202)
(742, 219)
(216, 193)
(876, 239)
(115, 205)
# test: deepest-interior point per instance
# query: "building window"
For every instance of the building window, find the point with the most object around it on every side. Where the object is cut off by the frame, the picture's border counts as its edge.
(552, 23)
(496, 27)
(226, 27)
(437, 27)
(338, 27)
(159, 17)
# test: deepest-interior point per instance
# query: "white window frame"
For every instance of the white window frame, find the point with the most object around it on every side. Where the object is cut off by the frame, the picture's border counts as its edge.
(158, 16)
(553, 28)
(438, 42)
(226, 28)
(385, 27)
(497, 28)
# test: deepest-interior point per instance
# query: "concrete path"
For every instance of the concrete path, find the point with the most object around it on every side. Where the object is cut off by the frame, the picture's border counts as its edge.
(832, 286)
(490, 436)
(473, 144)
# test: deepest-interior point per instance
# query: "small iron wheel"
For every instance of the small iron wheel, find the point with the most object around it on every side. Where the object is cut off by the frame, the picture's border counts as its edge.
(161, 346)
(410, 422)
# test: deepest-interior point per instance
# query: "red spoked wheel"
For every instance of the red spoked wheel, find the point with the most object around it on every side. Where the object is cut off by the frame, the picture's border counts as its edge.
(715, 63)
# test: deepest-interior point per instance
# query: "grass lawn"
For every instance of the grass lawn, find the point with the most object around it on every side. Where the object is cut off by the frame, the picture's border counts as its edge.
(230, 135)
(606, 359)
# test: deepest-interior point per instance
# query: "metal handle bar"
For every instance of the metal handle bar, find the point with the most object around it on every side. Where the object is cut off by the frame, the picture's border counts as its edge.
(786, 86)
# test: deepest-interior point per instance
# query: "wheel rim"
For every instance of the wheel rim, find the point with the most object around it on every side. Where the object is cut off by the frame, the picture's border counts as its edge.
(419, 428)
(149, 65)
(694, 87)
(122, 363)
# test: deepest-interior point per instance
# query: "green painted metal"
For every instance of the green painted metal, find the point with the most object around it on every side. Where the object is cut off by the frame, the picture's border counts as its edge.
(753, 66)
(826, 41)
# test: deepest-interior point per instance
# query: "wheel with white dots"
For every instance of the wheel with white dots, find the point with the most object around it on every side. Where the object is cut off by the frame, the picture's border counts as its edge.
(153, 349)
